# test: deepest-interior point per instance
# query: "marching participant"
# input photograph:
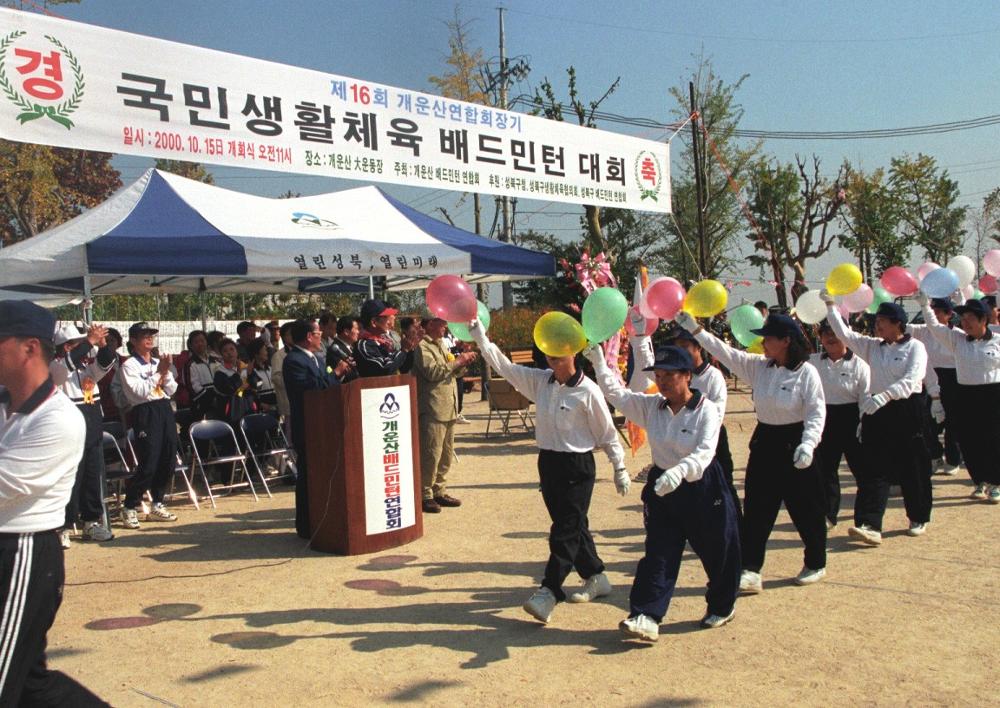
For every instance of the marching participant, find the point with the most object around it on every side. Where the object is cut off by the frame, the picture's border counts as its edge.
(977, 396)
(891, 422)
(845, 379)
(571, 420)
(686, 496)
(788, 396)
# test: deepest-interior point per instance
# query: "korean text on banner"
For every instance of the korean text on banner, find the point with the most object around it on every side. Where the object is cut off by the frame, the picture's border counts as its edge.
(74, 85)
(388, 456)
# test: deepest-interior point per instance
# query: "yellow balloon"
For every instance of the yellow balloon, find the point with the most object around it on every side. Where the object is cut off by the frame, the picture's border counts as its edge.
(706, 299)
(844, 279)
(756, 346)
(558, 334)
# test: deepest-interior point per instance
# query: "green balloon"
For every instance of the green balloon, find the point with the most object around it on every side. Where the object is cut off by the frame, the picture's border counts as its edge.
(460, 330)
(743, 319)
(879, 296)
(604, 313)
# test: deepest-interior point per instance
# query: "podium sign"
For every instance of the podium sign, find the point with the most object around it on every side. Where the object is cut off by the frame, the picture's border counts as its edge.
(388, 445)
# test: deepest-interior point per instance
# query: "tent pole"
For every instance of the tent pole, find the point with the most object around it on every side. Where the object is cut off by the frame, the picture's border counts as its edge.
(371, 288)
(88, 304)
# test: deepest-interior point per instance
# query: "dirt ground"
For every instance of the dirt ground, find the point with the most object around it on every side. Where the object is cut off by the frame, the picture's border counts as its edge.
(228, 607)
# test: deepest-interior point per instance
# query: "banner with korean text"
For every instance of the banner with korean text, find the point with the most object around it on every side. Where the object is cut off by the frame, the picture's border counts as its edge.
(79, 86)
(388, 456)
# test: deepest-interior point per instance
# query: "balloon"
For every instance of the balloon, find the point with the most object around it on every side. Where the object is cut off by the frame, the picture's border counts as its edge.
(460, 330)
(558, 334)
(977, 294)
(964, 268)
(644, 305)
(706, 299)
(844, 279)
(651, 323)
(939, 283)
(898, 282)
(757, 346)
(743, 319)
(991, 262)
(988, 284)
(664, 298)
(968, 291)
(926, 268)
(450, 298)
(859, 299)
(810, 308)
(604, 313)
(880, 295)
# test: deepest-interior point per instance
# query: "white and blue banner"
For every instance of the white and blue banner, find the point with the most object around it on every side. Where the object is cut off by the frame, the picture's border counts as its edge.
(388, 455)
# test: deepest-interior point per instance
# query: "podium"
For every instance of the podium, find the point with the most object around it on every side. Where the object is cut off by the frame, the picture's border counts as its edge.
(363, 449)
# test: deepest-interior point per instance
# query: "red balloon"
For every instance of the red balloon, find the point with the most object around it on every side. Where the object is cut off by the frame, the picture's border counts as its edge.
(651, 324)
(988, 284)
(447, 297)
(664, 298)
(899, 282)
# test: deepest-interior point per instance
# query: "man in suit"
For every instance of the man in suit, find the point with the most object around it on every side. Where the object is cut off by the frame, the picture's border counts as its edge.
(436, 369)
(341, 347)
(302, 372)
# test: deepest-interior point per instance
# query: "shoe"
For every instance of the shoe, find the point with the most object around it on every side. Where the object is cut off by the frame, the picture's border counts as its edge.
(916, 529)
(447, 500)
(430, 506)
(808, 576)
(948, 470)
(594, 587)
(160, 513)
(710, 621)
(462, 420)
(643, 474)
(866, 534)
(64, 538)
(130, 519)
(750, 582)
(936, 465)
(993, 497)
(540, 605)
(895, 490)
(640, 627)
(96, 531)
(979, 492)
(830, 524)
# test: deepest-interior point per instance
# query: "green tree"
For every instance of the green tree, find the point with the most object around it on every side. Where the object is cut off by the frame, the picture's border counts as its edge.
(871, 221)
(929, 209)
(191, 170)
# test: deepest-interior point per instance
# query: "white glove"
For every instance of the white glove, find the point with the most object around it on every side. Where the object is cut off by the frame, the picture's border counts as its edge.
(803, 456)
(826, 297)
(668, 482)
(478, 333)
(937, 410)
(922, 299)
(873, 403)
(685, 320)
(594, 354)
(638, 321)
(622, 481)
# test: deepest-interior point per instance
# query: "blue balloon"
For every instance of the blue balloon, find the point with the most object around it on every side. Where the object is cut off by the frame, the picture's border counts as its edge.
(941, 282)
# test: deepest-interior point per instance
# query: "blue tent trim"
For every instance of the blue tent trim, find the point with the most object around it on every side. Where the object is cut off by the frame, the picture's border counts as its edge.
(163, 235)
(491, 257)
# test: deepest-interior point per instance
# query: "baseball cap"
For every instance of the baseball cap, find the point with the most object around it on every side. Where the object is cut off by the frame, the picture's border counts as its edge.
(941, 303)
(778, 325)
(375, 308)
(975, 306)
(671, 358)
(141, 329)
(67, 333)
(21, 318)
(892, 311)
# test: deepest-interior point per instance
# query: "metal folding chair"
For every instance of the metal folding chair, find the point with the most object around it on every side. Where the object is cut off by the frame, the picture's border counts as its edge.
(505, 401)
(264, 438)
(214, 433)
(116, 467)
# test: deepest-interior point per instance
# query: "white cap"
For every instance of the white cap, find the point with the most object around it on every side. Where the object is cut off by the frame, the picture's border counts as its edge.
(67, 333)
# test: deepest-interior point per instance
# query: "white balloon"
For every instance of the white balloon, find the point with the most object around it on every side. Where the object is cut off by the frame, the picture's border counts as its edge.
(964, 268)
(810, 308)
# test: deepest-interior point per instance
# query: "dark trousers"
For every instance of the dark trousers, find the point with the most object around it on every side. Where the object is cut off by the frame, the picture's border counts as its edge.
(301, 493)
(979, 417)
(567, 480)
(700, 513)
(156, 447)
(725, 459)
(894, 448)
(951, 452)
(461, 394)
(87, 498)
(840, 439)
(31, 581)
(773, 479)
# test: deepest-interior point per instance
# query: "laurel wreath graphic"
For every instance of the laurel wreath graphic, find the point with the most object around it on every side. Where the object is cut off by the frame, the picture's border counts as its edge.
(643, 192)
(33, 111)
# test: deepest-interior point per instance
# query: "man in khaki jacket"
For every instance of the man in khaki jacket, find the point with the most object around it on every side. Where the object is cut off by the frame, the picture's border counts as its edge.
(436, 370)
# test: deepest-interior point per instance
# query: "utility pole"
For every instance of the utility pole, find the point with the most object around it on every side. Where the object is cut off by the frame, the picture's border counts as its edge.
(699, 195)
(508, 293)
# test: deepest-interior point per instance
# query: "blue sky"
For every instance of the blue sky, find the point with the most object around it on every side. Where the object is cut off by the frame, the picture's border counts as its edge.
(811, 65)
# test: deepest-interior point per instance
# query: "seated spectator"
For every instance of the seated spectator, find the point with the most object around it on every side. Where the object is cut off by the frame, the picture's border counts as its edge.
(234, 397)
(215, 339)
(197, 376)
(246, 332)
(260, 377)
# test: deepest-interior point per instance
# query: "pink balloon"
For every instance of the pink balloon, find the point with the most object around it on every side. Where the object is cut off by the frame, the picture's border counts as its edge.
(988, 284)
(844, 312)
(449, 298)
(899, 282)
(859, 299)
(664, 298)
(644, 305)
(968, 291)
(991, 263)
(651, 324)
(926, 268)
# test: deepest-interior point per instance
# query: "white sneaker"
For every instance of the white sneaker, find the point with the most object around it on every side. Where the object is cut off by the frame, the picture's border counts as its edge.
(640, 627)
(993, 496)
(462, 420)
(130, 518)
(830, 525)
(95, 531)
(979, 492)
(866, 534)
(540, 605)
(949, 470)
(160, 513)
(807, 576)
(710, 621)
(916, 529)
(64, 540)
(594, 587)
(750, 582)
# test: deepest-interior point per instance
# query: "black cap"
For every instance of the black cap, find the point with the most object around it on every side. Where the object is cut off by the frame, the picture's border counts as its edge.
(371, 309)
(892, 311)
(990, 300)
(672, 358)
(141, 329)
(21, 318)
(976, 307)
(941, 303)
(679, 334)
(778, 325)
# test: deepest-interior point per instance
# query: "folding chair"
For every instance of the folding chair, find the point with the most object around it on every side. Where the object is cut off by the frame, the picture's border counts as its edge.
(505, 401)
(116, 468)
(264, 437)
(214, 433)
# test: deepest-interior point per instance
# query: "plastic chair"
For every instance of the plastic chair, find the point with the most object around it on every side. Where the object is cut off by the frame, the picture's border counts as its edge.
(258, 428)
(505, 401)
(215, 432)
